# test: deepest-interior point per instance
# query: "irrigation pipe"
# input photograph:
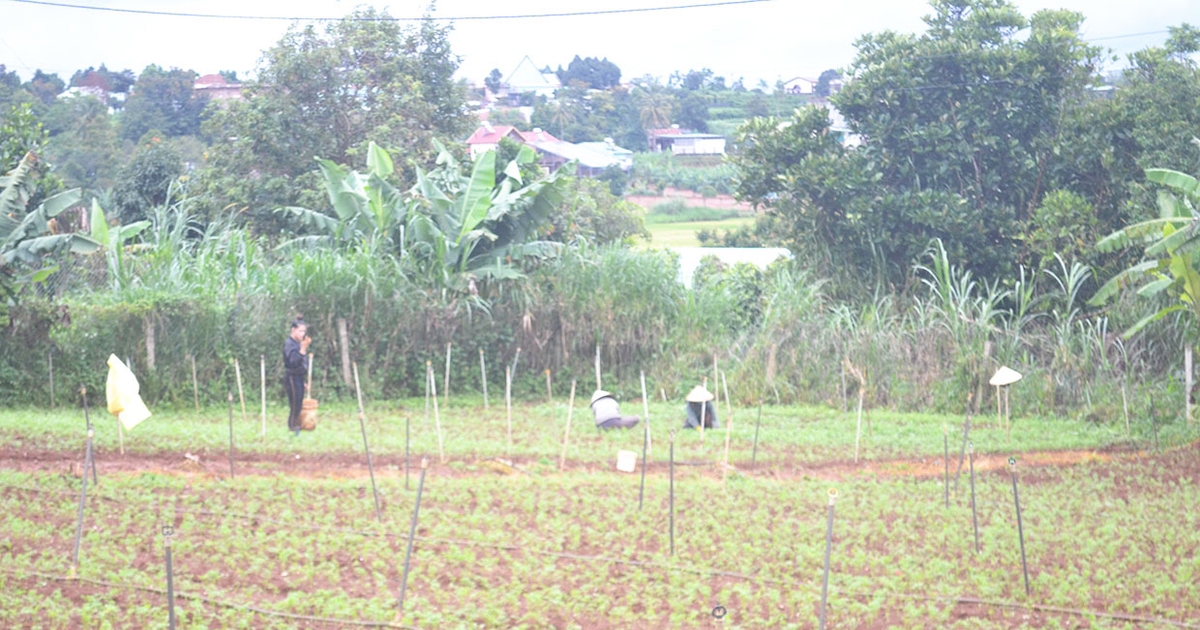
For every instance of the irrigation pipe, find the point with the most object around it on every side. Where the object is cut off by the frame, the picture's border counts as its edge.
(209, 600)
(570, 556)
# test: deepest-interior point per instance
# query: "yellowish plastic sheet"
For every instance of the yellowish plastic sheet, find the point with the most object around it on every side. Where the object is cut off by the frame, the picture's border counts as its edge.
(122, 389)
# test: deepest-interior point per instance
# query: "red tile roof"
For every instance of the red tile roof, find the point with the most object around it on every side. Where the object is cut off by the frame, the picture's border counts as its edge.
(482, 135)
(211, 79)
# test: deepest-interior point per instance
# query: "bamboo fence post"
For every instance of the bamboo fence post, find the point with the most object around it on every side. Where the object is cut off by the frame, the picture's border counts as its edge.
(646, 413)
(728, 428)
(562, 459)
(262, 373)
(598, 365)
(508, 404)
(1125, 406)
(483, 377)
(237, 370)
(446, 382)
(858, 426)
(195, 383)
(516, 359)
(437, 416)
(703, 410)
(1007, 416)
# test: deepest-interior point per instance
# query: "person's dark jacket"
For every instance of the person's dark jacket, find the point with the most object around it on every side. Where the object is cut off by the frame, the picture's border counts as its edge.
(294, 363)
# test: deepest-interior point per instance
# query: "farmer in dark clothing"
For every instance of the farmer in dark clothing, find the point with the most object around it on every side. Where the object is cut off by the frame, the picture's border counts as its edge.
(700, 409)
(295, 367)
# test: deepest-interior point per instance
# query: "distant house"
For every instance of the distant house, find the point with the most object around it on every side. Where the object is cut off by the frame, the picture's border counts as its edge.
(592, 157)
(840, 129)
(621, 157)
(800, 85)
(527, 78)
(678, 142)
(487, 137)
(217, 88)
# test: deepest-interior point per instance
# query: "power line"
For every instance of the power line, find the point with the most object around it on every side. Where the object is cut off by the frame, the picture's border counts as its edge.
(461, 18)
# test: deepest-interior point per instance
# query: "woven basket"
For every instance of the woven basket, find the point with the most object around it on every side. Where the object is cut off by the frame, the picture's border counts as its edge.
(308, 414)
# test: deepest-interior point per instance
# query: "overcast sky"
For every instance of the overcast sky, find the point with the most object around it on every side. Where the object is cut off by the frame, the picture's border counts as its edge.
(777, 39)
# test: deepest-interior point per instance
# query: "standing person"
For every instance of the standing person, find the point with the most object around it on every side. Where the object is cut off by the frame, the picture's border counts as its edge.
(295, 368)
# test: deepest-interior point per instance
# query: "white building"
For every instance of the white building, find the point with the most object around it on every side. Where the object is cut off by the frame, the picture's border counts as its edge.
(527, 78)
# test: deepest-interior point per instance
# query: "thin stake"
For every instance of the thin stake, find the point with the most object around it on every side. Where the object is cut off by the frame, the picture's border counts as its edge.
(646, 413)
(50, 360)
(195, 383)
(230, 435)
(845, 402)
(1154, 425)
(549, 391)
(974, 515)
(237, 370)
(671, 491)
(120, 435)
(508, 404)
(262, 374)
(1007, 417)
(828, 546)
(87, 418)
(483, 377)
(962, 453)
(757, 425)
(516, 358)
(437, 415)
(1012, 467)
(598, 365)
(946, 461)
(428, 378)
(858, 427)
(703, 412)
(362, 422)
(87, 462)
(1125, 405)
(645, 442)
(412, 535)
(562, 459)
(446, 382)
(406, 451)
(663, 392)
(716, 385)
(168, 532)
(728, 429)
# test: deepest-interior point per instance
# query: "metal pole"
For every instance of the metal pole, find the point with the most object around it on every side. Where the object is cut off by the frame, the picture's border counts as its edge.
(362, 422)
(483, 377)
(1012, 467)
(87, 418)
(645, 442)
(828, 546)
(671, 492)
(946, 461)
(757, 425)
(87, 461)
(406, 443)
(508, 404)
(646, 413)
(437, 415)
(168, 532)
(231, 435)
(974, 514)
(963, 449)
(412, 534)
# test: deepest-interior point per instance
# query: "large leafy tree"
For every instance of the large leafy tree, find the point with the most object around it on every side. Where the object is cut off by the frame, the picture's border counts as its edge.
(328, 92)
(83, 144)
(163, 100)
(598, 74)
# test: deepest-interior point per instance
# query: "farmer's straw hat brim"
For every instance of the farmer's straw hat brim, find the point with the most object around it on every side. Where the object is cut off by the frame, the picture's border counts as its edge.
(698, 395)
(600, 393)
(1005, 376)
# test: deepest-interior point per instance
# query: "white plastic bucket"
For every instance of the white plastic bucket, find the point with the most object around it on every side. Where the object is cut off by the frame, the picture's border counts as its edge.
(626, 461)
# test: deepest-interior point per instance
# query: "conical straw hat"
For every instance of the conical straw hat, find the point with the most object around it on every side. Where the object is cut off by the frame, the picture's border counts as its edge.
(600, 393)
(698, 395)
(1005, 376)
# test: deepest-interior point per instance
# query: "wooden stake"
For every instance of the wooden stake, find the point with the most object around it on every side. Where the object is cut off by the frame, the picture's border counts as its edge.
(262, 372)
(716, 385)
(508, 404)
(1125, 405)
(703, 412)
(428, 378)
(483, 377)
(446, 382)
(195, 384)
(1188, 378)
(437, 416)
(549, 391)
(858, 427)
(344, 338)
(663, 392)
(598, 365)
(999, 412)
(646, 419)
(728, 428)
(562, 459)
(1007, 416)
(237, 370)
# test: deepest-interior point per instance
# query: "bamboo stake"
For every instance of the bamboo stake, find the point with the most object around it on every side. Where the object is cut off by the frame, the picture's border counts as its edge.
(516, 359)
(508, 404)
(598, 365)
(662, 391)
(483, 377)
(646, 419)
(716, 386)
(237, 370)
(858, 427)
(703, 409)
(728, 428)
(308, 385)
(446, 382)
(999, 413)
(437, 416)
(1188, 382)
(549, 391)
(428, 378)
(1125, 405)
(262, 372)
(195, 384)
(562, 459)
(1007, 416)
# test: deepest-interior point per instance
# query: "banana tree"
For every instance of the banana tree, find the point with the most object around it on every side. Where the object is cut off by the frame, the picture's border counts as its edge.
(111, 241)
(26, 237)
(1172, 251)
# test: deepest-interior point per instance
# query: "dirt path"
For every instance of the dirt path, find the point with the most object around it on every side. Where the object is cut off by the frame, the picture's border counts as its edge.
(350, 466)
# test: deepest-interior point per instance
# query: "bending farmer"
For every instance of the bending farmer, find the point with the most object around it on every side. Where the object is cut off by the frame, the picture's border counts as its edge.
(608, 414)
(295, 367)
(700, 409)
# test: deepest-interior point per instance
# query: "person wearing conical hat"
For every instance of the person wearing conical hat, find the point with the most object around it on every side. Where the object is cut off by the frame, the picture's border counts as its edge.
(608, 414)
(699, 404)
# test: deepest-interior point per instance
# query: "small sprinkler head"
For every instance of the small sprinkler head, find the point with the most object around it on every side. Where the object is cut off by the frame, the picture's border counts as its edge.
(1012, 465)
(424, 463)
(833, 494)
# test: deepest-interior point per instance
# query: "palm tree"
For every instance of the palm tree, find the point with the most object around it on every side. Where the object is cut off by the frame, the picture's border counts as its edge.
(656, 106)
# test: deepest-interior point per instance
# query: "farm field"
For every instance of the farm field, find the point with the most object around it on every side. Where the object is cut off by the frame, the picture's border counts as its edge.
(684, 234)
(1111, 527)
